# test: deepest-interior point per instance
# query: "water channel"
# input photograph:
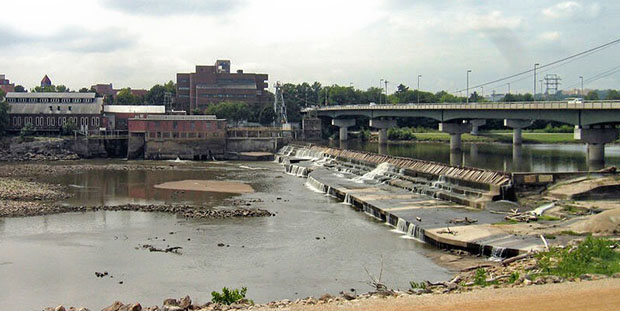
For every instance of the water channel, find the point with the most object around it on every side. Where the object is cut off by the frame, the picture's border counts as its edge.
(314, 245)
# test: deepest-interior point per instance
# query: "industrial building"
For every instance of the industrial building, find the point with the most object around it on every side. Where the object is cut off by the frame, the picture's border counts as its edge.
(215, 84)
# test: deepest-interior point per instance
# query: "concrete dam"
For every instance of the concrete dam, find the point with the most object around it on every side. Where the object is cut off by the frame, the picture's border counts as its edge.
(442, 205)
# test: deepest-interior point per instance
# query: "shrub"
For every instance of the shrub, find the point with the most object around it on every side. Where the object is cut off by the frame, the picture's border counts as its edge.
(593, 255)
(481, 277)
(228, 296)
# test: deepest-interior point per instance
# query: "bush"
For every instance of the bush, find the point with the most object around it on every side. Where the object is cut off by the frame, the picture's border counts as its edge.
(403, 133)
(481, 277)
(593, 255)
(228, 296)
(26, 131)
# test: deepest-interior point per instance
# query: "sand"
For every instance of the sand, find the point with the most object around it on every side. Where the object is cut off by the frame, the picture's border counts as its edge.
(207, 186)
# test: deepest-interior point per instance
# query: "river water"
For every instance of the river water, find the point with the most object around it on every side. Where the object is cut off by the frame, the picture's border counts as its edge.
(496, 156)
(51, 260)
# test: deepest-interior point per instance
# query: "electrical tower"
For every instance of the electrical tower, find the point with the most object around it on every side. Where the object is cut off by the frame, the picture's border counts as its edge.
(278, 106)
(552, 83)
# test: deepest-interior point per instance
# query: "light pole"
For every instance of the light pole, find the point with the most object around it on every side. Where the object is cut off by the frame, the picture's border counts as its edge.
(508, 88)
(380, 90)
(542, 95)
(386, 89)
(467, 94)
(419, 76)
(581, 77)
(482, 88)
(535, 65)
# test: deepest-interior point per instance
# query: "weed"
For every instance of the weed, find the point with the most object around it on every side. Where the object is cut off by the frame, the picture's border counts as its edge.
(548, 218)
(415, 285)
(514, 277)
(481, 277)
(228, 296)
(593, 255)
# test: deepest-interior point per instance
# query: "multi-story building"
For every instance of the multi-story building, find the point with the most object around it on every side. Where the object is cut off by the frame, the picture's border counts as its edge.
(215, 84)
(6, 85)
(117, 116)
(50, 112)
(174, 136)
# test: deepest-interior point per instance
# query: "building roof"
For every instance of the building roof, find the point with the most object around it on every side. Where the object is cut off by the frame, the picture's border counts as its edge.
(65, 108)
(49, 95)
(46, 81)
(134, 109)
(179, 118)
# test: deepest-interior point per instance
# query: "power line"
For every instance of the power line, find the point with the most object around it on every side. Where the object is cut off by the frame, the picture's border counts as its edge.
(584, 53)
(598, 76)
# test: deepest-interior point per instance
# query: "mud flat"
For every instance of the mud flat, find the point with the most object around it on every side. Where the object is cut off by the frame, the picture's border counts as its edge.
(207, 185)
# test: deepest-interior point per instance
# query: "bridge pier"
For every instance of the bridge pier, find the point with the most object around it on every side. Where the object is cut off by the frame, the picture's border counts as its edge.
(455, 130)
(596, 138)
(475, 124)
(344, 125)
(517, 129)
(383, 126)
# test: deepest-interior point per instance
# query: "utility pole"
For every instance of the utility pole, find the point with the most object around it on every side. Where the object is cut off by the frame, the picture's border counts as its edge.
(386, 90)
(535, 65)
(542, 95)
(467, 94)
(508, 88)
(581, 77)
(482, 88)
(418, 92)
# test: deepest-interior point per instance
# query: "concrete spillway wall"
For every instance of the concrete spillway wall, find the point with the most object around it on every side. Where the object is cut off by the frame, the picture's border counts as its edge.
(491, 185)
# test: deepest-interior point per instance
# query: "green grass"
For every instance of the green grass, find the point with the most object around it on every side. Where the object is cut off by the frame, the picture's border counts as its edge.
(593, 255)
(548, 218)
(536, 138)
(507, 222)
(229, 297)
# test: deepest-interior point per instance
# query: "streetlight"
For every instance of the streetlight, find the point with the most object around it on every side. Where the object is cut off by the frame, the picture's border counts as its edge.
(419, 76)
(535, 65)
(508, 88)
(386, 89)
(482, 87)
(381, 90)
(467, 94)
(542, 95)
(581, 77)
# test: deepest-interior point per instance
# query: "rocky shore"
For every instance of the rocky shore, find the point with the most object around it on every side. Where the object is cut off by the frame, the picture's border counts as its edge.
(36, 170)
(51, 149)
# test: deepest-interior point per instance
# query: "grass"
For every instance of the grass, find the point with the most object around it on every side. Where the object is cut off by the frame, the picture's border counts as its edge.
(548, 218)
(593, 256)
(229, 297)
(539, 138)
(507, 222)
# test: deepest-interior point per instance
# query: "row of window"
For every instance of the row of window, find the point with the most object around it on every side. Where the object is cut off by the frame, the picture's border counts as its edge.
(52, 121)
(183, 135)
(226, 96)
(50, 100)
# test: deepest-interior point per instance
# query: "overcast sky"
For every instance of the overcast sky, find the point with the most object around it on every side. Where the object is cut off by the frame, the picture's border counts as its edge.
(139, 43)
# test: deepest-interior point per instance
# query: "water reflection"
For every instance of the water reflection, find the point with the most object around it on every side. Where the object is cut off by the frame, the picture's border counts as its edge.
(505, 157)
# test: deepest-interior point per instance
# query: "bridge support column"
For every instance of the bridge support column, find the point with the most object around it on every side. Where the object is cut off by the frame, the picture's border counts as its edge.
(475, 124)
(455, 130)
(596, 138)
(344, 125)
(517, 129)
(383, 126)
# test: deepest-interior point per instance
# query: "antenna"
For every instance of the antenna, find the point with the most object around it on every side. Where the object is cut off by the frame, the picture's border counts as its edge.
(278, 105)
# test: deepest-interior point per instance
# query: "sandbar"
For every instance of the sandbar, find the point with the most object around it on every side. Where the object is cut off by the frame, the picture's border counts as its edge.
(207, 185)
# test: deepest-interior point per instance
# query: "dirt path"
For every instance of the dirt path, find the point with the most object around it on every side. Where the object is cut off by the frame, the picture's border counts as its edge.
(593, 295)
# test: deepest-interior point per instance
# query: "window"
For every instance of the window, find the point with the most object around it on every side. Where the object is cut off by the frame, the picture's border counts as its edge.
(58, 108)
(69, 108)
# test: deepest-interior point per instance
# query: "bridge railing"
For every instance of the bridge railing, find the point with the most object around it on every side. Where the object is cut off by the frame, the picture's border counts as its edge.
(537, 105)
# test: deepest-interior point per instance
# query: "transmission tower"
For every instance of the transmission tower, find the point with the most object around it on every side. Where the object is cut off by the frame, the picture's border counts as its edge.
(552, 83)
(278, 106)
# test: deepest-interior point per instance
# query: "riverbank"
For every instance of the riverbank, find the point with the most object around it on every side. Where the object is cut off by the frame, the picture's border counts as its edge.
(485, 137)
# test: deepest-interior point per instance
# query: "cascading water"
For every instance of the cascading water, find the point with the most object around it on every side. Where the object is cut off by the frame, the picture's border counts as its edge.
(401, 225)
(380, 171)
(497, 253)
(315, 185)
(347, 199)
(297, 170)
(415, 232)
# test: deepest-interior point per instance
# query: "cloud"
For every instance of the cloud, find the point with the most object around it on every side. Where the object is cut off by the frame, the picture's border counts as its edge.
(7, 37)
(169, 7)
(549, 36)
(572, 9)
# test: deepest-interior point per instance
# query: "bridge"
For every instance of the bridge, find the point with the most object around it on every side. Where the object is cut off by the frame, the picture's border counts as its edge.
(595, 121)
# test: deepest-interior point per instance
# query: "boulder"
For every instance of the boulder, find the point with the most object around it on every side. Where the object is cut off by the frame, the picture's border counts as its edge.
(185, 302)
(116, 306)
(60, 308)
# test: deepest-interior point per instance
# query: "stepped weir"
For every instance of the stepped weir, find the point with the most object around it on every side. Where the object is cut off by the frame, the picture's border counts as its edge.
(422, 200)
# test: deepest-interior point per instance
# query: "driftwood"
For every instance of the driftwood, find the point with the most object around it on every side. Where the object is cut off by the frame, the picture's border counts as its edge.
(174, 249)
(484, 265)
(465, 220)
(510, 260)
(447, 230)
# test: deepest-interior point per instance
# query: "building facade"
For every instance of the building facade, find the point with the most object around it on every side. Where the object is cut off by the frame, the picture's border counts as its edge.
(215, 84)
(6, 85)
(117, 116)
(175, 136)
(50, 112)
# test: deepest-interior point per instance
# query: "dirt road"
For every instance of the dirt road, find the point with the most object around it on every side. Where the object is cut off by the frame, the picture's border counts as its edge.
(592, 295)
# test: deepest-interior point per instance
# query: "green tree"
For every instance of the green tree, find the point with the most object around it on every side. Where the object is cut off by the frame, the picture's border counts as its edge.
(84, 90)
(613, 95)
(235, 111)
(20, 89)
(4, 113)
(126, 97)
(69, 127)
(267, 115)
(592, 95)
(155, 95)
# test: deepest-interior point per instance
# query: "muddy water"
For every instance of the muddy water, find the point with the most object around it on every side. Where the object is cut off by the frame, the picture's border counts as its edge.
(51, 260)
(505, 157)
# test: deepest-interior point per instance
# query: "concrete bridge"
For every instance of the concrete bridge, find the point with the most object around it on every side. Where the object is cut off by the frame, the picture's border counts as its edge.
(595, 121)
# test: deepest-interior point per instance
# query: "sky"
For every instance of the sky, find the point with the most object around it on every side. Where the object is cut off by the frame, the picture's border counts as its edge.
(140, 43)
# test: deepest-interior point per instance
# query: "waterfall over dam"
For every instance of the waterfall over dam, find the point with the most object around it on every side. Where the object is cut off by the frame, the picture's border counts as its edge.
(421, 200)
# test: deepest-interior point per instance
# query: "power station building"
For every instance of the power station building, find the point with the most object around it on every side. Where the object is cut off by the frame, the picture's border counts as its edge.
(215, 84)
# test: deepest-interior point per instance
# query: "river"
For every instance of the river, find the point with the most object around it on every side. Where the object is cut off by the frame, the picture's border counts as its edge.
(314, 244)
(496, 156)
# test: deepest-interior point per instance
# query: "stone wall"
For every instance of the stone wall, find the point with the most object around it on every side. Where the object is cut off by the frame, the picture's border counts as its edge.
(188, 149)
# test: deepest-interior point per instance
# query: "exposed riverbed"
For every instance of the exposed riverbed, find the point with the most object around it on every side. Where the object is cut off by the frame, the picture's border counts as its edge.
(313, 245)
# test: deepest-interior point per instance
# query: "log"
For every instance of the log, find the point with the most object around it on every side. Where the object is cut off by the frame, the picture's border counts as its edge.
(484, 265)
(510, 260)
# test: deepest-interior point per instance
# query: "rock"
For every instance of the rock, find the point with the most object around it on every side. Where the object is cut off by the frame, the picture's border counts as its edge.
(116, 306)
(325, 297)
(60, 308)
(527, 282)
(616, 275)
(171, 302)
(185, 302)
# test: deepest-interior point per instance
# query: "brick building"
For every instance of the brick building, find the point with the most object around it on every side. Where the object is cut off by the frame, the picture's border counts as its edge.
(6, 85)
(170, 136)
(49, 112)
(215, 84)
(117, 116)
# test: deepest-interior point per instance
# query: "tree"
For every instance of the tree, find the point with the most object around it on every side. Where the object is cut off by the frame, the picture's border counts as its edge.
(84, 90)
(155, 95)
(51, 89)
(126, 97)
(4, 113)
(235, 111)
(69, 127)
(592, 95)
(613, 95)
(20, 89)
